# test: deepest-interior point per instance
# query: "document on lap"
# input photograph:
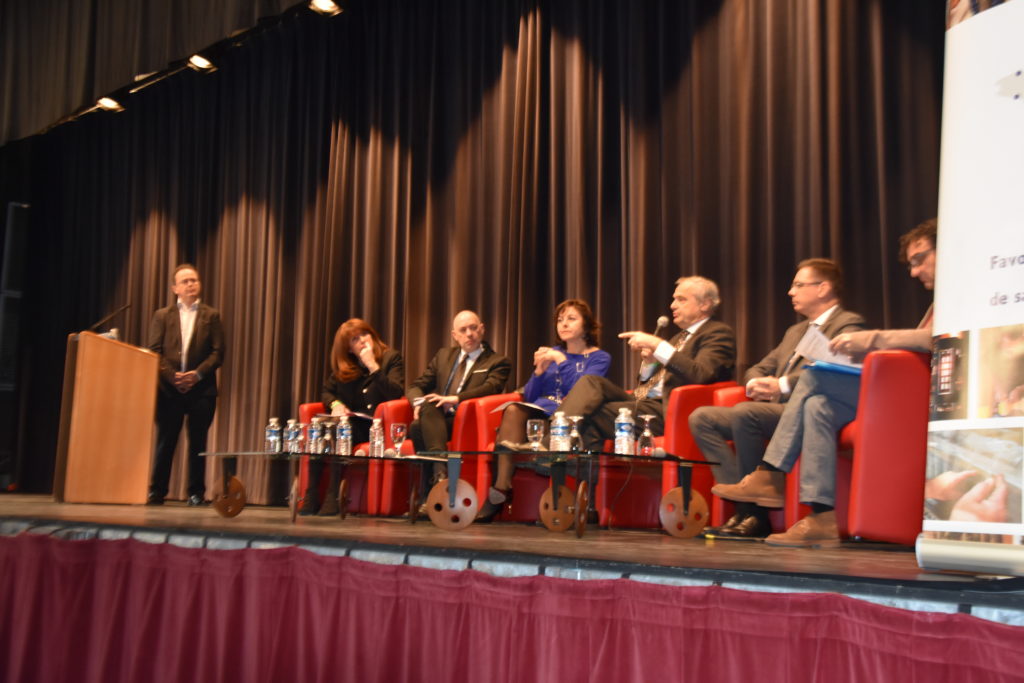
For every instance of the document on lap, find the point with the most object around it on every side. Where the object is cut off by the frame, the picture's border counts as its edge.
(814, 347)
(351, 413)
(506, 404)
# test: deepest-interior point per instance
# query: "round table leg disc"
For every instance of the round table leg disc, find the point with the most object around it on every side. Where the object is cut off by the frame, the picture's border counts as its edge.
(670, 510)
(231, 502)
(293, 499)
(582, 503)
(562, 518)
(452, 518)
(343, 500)
(414, 505)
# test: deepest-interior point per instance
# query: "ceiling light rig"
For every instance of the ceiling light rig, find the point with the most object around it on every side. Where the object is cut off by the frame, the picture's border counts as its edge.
(109, 104)
(325, 7)
(199, 63)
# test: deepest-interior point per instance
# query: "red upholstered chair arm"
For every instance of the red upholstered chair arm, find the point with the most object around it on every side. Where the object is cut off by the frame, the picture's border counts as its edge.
(398, 410)
(730, 396)
(890, 435)
(307, 411)
(490, 420)
(681, 402)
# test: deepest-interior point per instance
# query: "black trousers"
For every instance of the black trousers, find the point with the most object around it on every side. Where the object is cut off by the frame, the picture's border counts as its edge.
(171, 413)
(430, 433)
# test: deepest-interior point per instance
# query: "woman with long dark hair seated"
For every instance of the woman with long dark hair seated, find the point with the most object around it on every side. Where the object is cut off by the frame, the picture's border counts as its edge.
(556, 369)
(364, 373)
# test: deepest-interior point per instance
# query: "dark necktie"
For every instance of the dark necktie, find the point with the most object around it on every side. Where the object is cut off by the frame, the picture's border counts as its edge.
(455, 381)
(645, 388)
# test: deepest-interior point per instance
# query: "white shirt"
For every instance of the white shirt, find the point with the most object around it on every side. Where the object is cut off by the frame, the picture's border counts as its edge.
(469, 366)
(187, 316)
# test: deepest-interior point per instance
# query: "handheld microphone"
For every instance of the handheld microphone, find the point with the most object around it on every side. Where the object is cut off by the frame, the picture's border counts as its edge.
(662, 324)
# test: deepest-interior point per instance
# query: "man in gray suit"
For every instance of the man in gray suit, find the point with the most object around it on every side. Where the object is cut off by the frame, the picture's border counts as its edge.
(820, 406)
(816, 292)
(189, 338)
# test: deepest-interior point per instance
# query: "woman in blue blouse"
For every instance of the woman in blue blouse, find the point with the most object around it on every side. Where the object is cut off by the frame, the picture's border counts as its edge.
(556, 369)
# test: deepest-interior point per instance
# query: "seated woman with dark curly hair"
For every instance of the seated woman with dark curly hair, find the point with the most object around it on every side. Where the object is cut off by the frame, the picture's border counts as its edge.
(556, 370)
(364, 373)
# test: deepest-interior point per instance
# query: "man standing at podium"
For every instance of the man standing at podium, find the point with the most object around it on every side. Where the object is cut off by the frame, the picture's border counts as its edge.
(189, 338)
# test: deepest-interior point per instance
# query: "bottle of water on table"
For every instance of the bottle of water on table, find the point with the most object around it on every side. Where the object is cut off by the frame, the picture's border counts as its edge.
(315, 436)
(559, 440)
(376, 439)
(291, 436)
(624, 432)
(273, 436)
(343, 436)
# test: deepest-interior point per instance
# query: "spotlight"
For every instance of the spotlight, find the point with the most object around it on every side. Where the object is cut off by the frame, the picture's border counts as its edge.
(201, 64)
(325, 7)
(109, 104)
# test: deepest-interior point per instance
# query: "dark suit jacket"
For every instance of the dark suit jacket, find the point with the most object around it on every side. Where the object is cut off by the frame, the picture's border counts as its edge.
(366, 392)
(775, 362)
(707, 357)
(488, 375)
(205, 351)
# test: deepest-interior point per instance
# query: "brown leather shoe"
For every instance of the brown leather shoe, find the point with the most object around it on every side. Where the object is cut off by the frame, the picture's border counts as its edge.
(813, 531)
(763, 487)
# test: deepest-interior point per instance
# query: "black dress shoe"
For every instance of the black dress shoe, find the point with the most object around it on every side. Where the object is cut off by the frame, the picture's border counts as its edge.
(489, 510)
(729, 524)
(154, 499)
(752, 527)
(195, 501)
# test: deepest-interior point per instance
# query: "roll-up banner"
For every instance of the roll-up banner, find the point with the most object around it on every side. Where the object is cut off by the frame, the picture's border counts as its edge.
(973, 511)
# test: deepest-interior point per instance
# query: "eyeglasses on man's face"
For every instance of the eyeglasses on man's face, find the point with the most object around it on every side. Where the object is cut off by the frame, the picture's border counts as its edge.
(917, 259)
(801, 285)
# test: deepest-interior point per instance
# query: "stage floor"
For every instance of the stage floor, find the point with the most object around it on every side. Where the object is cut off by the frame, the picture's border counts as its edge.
(878, 572)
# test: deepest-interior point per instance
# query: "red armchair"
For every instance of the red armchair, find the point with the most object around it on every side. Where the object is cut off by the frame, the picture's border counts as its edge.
(636, 505)
(880, 474)
(473, 430)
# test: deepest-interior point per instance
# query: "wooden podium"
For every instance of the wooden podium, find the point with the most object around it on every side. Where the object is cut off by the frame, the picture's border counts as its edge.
(106, 421)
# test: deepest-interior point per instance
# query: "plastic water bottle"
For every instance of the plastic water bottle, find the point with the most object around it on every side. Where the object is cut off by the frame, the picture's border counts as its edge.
(273, 436)
(315, 437)
(343, 437)
(376, 439)
(624, 432)
(559, 431)
(291, 436)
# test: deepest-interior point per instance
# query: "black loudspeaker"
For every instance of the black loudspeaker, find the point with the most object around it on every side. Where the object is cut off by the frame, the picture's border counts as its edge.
(11, 278)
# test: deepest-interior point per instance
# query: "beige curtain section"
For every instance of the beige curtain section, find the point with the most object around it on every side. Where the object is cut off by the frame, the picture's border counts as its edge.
(408, 160)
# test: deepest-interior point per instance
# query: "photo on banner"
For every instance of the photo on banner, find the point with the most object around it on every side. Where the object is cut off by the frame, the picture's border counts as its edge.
(973, 511)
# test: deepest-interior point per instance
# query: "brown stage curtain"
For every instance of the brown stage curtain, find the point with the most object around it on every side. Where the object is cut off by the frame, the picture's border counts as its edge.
(103, 611)
(406, 160)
